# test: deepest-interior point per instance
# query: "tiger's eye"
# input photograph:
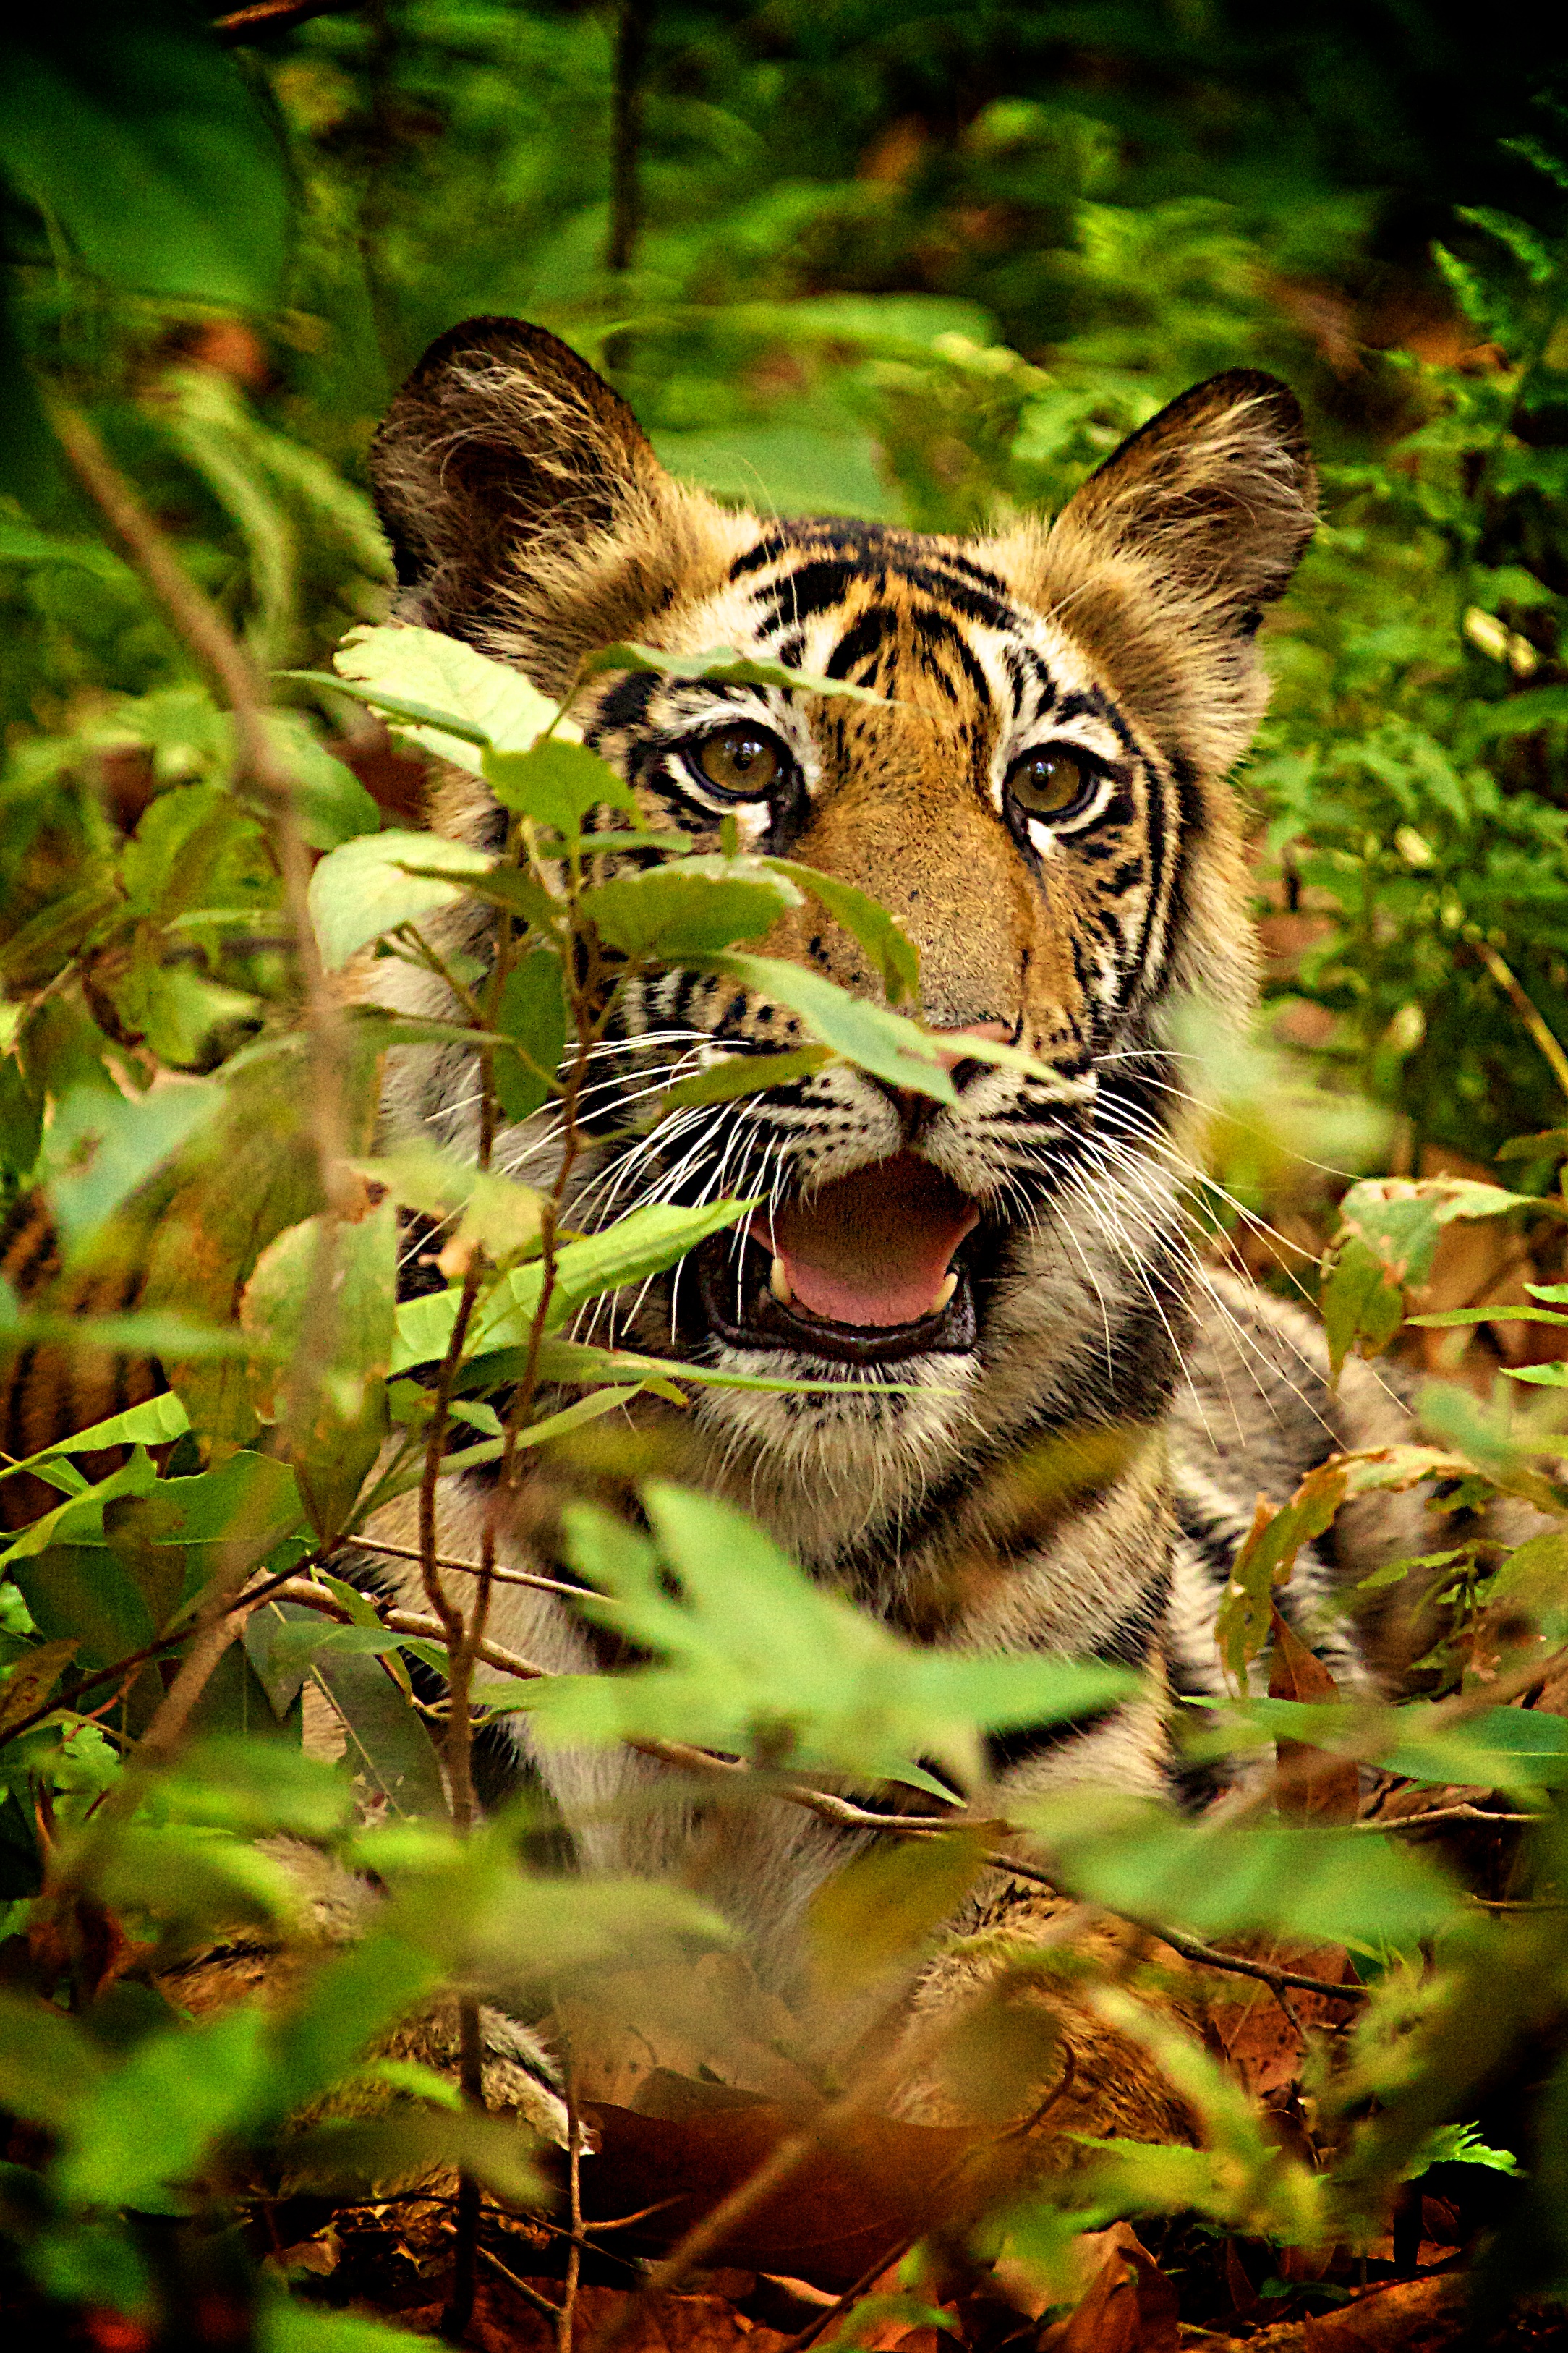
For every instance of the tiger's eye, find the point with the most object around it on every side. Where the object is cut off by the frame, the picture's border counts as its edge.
(1046, 783)
(740, 760)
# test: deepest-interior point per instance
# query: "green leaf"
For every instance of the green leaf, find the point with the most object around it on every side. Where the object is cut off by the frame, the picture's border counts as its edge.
(722, 666)
(881, 1041)
(1387, 1239)
(496, 1211)
(49, 2067)
(141, 138)
(1326, 1887)
(351, 2154)
(79, 1519)
(387, 1748)
(100, 1145)
(21, 1120)
(893, 952)
(149, 2125)
(334, 1431)
(288, 2327)
(365, 888)
(195, 1879)
(175, 1009)
(401, 668)
(533, 1012)
(253, 1789)
(142, 1333)
(195, 847)
(1460, 2145)
(693, 906)
(1501, 1748)
(24, 542)
(758, 1658)
(152, 1423)
(1546, 1143)
(1511, 1310)
(879, 1910)
(31, 1678)
(396, 707)
(508, 1931)
(634, 1247)
(733, 1075)
(342, 2008)
(556, 782)
(331, 804)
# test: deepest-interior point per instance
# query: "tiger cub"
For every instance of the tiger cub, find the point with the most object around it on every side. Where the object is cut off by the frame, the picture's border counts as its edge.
(1078, 1416)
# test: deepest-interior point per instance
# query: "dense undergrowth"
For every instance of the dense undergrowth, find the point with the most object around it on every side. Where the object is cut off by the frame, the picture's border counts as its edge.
(942, 312)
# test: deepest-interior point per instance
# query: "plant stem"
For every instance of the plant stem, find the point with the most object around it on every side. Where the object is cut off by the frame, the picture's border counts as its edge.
(632, 28)
(566, 2318)
(1528, 1013)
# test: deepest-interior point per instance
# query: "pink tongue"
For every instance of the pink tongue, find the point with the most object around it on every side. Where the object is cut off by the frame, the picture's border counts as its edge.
(874, 1248)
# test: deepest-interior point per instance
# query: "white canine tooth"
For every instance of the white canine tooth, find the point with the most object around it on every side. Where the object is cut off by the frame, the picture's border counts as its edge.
(778, 1284)
(944, 1294)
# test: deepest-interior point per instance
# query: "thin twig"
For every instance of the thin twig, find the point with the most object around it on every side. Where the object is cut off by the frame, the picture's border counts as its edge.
(1465, 1813)
(529, 2294)
(567, 2315)
(1528, 1013)
(476, 1568)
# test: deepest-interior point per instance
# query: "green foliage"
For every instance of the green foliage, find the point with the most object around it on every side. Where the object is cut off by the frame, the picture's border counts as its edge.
(836, 304)
(756, 1659)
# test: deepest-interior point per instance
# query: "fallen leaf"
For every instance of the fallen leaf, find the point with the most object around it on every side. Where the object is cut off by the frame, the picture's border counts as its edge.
(1314, 1787)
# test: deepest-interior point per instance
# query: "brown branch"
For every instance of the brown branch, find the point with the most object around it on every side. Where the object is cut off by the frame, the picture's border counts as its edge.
(475, 1569)
(541, 2303)
(266, 17)
(1466, 1814)
(565, 2318)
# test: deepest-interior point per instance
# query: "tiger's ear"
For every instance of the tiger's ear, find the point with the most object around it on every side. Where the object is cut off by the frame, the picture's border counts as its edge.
(525, 507)
(1165, 559)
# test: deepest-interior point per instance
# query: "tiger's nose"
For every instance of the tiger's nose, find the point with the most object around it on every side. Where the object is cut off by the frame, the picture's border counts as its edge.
(961, 1066)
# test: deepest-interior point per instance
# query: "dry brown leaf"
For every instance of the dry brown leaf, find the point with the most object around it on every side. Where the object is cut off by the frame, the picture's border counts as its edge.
(1424, 2316)
(1314, 1786)
(876, 2184)
(1130, 2306)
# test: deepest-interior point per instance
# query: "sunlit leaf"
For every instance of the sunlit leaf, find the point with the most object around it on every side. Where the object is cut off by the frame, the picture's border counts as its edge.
(321, 1306)
(722, 666)
(556, 782)
(881, 1041)
(693, 906)
(893, 952)
(364, 889)
(401, 668)
(150, 1423)
(640, 1245)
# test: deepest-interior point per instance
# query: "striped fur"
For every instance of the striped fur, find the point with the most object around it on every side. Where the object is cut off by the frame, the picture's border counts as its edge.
(1078, 1461)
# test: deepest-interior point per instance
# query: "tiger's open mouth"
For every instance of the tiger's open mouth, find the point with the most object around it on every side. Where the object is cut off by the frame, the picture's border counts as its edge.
(863, 1269)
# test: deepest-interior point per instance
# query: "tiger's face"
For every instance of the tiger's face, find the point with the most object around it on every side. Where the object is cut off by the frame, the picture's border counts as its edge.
(1040, 797)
